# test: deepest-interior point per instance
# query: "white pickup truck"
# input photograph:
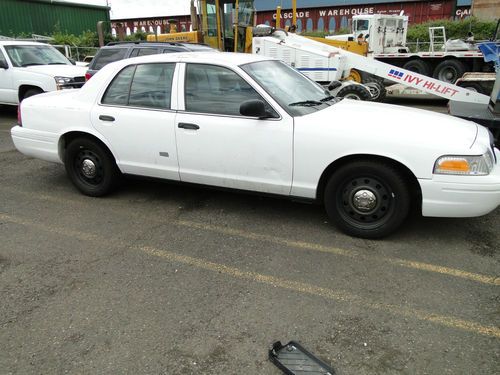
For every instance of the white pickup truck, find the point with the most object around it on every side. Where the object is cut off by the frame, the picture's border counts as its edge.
(30, 68)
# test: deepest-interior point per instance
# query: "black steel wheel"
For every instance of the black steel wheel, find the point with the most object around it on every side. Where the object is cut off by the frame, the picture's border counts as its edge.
(90, 167)
(367, 199)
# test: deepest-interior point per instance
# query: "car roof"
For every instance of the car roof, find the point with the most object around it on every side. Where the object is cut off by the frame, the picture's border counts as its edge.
(21, 42)
(153, 44)
(219, 58)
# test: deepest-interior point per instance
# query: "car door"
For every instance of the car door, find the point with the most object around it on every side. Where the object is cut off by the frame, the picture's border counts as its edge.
(7, 92)
(134, 115)
(218, 146)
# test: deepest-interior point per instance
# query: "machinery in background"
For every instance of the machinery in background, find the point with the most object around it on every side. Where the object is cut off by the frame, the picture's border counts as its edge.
(446, 60)
(484, 114)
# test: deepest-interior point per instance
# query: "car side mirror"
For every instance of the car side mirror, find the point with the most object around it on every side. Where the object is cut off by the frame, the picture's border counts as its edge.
(73, 62)
(4, 65)
(254, 108)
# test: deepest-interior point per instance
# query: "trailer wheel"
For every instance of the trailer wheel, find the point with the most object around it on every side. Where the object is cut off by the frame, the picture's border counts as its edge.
(418, 66)
(449, 70)
(356, 92)
(472, 86)
(367, 199)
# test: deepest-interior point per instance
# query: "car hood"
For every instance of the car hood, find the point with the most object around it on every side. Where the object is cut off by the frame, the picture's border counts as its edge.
(397, 124)
(58, 70)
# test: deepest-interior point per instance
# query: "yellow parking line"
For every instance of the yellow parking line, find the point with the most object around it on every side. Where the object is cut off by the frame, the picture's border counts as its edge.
(420, 266)
(349, 253)
(295, 286)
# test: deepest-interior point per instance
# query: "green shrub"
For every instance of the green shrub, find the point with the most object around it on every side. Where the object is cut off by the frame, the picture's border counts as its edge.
(482, 30)
(137, 36)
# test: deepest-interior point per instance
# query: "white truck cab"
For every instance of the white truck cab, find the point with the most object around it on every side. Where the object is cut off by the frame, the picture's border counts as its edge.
(384, 33)
(30, 68)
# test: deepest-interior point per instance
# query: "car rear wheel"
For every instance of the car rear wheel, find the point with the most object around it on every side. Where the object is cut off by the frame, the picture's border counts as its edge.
(367, 199)
(91, 167)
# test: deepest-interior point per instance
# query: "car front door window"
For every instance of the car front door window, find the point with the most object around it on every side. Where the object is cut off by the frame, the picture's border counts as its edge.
(217, 90)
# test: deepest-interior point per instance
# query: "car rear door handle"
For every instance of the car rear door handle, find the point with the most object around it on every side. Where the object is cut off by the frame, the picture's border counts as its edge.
(185, 125)
(106, 118)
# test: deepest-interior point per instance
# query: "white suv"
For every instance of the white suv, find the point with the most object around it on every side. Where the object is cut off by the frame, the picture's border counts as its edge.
(30, 68)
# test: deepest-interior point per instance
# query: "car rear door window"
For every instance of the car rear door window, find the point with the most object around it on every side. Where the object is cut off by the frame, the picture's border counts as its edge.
(118, 91)
(143, 85)
(108, 55)
(152, 86)
(218, 90)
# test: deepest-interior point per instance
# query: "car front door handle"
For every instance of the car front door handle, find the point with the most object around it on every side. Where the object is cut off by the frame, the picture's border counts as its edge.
(185, 125)
(106, 118)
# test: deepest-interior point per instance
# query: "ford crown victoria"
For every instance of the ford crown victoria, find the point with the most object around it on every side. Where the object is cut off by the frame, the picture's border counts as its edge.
(251, 123)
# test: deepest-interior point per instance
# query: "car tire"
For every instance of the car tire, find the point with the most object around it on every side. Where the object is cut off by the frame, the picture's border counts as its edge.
(367, 199)
(354, 91)
(449, 70)
(91, 167)
(418, 66)
(31, 92)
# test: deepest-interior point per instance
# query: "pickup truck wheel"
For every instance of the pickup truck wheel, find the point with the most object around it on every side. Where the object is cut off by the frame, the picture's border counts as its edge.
(367, 199)
(31, 92)
(90, 167)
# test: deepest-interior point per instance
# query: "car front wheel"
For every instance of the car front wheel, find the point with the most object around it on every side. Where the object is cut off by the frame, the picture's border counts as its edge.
(90, 167)
(367, 199)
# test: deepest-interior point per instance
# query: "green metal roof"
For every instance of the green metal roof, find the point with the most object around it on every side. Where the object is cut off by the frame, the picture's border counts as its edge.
(44, 17)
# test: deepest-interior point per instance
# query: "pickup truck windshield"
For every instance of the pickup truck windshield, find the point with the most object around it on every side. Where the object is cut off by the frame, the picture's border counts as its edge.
(26, 55)
(296, 93)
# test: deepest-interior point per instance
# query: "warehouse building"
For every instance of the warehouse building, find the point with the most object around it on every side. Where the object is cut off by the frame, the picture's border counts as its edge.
(313, 15)
(330, 15)
(44, 17)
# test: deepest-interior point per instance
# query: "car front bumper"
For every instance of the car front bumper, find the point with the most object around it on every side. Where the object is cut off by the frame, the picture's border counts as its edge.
(461, 196)
(35, 143)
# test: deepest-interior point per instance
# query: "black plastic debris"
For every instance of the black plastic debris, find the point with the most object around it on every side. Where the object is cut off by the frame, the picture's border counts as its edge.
(293, 359)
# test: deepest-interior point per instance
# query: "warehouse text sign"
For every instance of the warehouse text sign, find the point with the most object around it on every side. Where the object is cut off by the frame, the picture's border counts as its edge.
(337, 12)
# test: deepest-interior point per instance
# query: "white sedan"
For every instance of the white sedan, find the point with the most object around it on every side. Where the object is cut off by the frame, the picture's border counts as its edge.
(252, 123)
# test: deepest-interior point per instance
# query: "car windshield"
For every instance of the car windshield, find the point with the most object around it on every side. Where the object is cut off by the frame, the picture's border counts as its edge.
(27, 55)
(296, 93)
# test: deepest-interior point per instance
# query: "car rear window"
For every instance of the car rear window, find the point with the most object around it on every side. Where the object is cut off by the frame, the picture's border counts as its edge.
(108, 55)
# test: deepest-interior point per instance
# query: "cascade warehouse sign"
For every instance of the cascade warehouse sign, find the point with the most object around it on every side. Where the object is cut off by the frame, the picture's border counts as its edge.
(329, 12)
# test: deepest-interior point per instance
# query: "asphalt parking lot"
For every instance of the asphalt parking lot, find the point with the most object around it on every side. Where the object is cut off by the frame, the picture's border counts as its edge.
(167, 279)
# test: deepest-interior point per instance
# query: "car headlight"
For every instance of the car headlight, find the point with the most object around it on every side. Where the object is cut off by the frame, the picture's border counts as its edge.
(465, 165)
(62, 81)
